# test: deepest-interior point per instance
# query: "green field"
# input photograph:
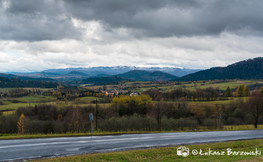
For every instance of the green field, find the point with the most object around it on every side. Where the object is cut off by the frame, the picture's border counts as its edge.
(88, 98)
(190, 86)
(26, 101)
(7, 89)
(35, 98)
(221, 86)
(170, 153)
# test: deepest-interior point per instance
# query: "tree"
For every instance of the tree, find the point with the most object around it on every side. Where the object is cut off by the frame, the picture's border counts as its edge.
(78, 121)
(104, 88)
(22, 124)
(127, 105)
(96, 115)
(228, 92)
(254, 106)
(246, 91)
(240, 91)
(153, 94)
(158, 111)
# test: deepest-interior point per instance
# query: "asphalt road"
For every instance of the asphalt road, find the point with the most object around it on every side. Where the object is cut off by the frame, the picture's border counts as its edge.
(52, 147)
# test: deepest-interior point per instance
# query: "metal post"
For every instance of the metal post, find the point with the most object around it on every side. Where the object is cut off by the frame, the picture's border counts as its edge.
(91, 119)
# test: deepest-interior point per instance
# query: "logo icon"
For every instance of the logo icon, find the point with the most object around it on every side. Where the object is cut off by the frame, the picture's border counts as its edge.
(183, 151)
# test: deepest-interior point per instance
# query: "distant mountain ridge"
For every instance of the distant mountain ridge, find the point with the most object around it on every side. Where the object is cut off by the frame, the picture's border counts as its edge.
(142, 75)
(73, 74)
(115, 70)
(247, 69)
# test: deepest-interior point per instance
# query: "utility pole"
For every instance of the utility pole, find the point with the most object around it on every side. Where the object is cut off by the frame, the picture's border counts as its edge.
(96, 115)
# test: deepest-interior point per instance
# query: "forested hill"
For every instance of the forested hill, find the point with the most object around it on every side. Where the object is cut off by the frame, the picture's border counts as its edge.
(247, 69)
(142, 75)
(26, 78)
(15, 83)
(104, 80)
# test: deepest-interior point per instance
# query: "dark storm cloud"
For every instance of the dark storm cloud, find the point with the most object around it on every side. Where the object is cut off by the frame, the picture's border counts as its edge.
(35, 20)
(174, 17)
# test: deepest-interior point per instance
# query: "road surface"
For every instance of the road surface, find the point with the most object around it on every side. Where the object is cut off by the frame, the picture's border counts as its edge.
(52, 147)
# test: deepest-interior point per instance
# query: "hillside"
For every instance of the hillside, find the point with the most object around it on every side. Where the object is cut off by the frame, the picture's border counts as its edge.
(26, 77)
(247, 69)
(76, 73)
(142, 75)
(15, 83)
(104, 80)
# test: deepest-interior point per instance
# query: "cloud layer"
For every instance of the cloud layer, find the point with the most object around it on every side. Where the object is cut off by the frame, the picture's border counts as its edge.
(37, 35)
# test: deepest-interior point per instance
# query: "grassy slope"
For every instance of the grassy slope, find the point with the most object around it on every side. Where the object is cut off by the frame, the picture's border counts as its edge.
(170, 153)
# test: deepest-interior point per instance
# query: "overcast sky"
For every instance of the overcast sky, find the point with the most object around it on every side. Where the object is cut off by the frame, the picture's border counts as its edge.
(45, 34)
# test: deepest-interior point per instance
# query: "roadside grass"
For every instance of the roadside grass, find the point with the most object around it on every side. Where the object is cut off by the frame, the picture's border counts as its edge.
(170, 153)
(70, 134)
(30, 136)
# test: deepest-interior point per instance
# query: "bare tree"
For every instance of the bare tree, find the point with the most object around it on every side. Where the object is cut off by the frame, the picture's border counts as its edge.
(254, 106)
(158, 111)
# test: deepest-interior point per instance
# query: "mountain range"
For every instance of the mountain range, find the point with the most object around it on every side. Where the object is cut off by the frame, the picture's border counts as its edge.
(247, 69)
(115, 70)
(75, 74)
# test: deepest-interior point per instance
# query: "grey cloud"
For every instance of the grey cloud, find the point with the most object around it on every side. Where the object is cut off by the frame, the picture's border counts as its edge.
(31, 20)
(174, 18)
(34, 20)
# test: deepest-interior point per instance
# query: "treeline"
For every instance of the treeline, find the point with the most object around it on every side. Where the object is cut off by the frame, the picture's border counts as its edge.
(14, 83)
(19, 92)
(208, 94)
(51, 119)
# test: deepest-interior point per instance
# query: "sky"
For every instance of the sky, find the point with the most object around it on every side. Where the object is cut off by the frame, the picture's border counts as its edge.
(49, 34)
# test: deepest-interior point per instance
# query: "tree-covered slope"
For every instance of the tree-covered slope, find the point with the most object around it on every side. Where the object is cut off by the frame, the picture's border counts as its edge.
(247, 69)
(26, 77)
(142, 75)
(104, 80)
(15, 83)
